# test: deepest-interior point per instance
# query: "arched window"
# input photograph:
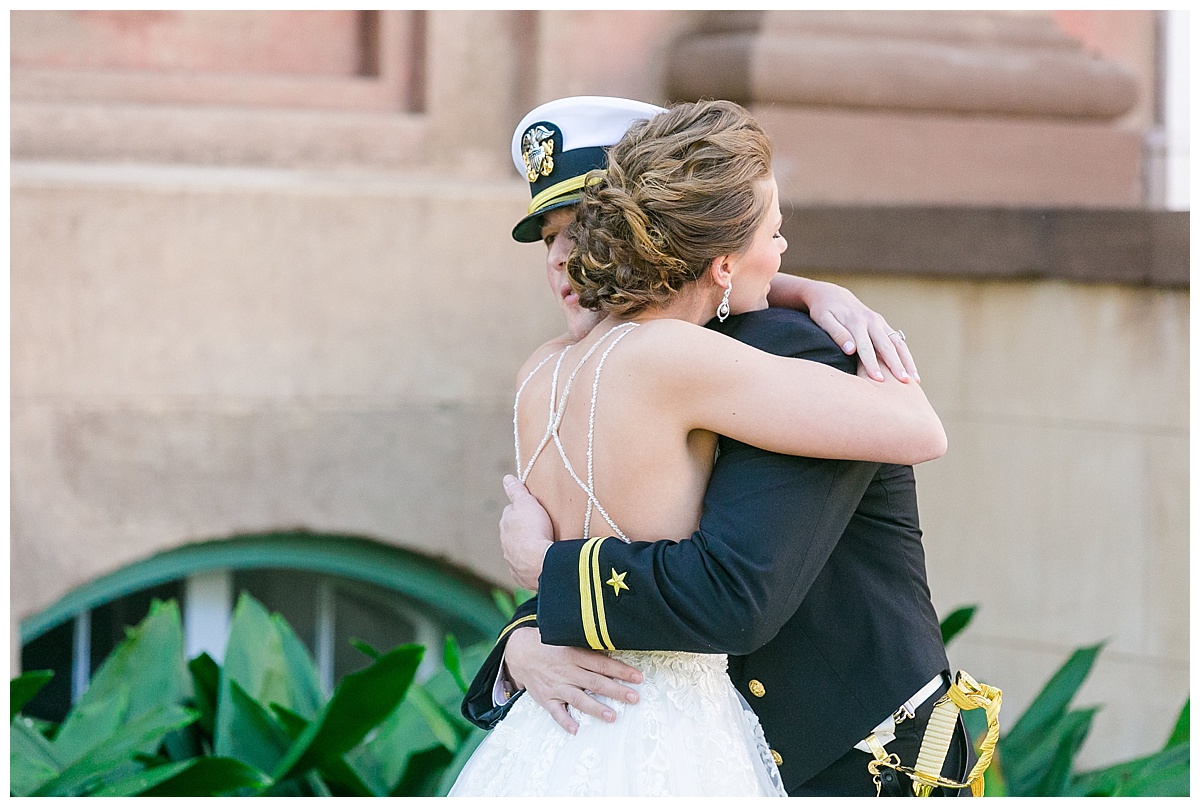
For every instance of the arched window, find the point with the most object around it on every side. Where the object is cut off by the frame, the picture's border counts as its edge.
(331, 589)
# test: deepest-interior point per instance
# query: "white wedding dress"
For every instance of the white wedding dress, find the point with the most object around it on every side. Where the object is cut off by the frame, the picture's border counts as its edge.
(690, 734)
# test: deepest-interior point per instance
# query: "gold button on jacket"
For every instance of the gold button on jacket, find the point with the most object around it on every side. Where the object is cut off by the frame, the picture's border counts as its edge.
(756, 688)
(775, 756)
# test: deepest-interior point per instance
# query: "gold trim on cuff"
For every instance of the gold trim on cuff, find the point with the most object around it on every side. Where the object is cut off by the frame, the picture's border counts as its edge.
(511, 625)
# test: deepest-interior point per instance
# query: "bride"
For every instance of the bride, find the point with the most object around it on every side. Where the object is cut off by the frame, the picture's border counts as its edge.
(616, 434)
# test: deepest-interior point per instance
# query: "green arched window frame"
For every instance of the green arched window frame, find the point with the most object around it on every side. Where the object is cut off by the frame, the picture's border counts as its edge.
(442, 588)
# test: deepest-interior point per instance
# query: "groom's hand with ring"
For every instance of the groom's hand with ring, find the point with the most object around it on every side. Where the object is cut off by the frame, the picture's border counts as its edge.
(556, 677)
(525, 534)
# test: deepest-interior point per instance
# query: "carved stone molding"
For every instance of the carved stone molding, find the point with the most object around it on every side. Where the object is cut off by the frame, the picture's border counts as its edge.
(972, 62)
(1126, 247)
(219, 61)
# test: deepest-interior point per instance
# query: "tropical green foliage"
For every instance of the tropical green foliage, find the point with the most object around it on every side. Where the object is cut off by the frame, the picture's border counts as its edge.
(959, 618)
(507, 604)
(152, 723)
(1036, 757)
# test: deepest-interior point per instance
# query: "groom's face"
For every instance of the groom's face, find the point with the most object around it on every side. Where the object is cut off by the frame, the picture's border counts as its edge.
(558, 246)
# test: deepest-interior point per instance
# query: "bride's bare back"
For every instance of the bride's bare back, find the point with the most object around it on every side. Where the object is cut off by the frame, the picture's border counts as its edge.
(648, 475)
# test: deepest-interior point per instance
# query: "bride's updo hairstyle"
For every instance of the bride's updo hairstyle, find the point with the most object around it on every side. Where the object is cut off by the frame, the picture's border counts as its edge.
(681, 189)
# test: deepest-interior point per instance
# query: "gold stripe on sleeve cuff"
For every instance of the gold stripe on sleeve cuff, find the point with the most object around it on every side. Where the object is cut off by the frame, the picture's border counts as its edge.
(517, 623)
(585, 596)
(598, 585)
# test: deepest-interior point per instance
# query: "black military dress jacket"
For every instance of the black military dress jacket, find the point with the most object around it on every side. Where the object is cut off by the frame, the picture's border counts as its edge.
(809, 573)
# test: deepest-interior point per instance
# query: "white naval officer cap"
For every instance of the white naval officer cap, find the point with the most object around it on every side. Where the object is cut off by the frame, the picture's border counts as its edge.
(557, 143)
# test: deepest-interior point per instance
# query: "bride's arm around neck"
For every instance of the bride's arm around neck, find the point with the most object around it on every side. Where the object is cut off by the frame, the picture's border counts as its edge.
(790, 406)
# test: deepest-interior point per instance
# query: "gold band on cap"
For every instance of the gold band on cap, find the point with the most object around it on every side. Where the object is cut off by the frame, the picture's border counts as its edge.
(560, 189)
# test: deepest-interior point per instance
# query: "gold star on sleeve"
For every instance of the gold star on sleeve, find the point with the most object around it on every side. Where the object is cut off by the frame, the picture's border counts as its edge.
(617, 581)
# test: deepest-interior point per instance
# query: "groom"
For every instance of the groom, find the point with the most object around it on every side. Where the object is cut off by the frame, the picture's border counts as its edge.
(809, 573)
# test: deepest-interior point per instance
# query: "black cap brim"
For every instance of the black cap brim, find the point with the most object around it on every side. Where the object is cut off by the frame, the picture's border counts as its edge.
(529, 229)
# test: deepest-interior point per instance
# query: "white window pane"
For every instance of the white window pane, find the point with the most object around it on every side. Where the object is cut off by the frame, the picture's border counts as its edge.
(207, 604)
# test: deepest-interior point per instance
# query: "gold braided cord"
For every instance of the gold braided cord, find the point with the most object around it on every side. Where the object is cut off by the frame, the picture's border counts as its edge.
(964, 694)
(968, 693)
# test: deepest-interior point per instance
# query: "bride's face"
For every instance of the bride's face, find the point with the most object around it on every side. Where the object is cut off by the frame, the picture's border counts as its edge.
(754, 269)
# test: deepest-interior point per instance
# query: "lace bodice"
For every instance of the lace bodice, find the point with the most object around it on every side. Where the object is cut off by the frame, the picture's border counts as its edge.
(690, 734)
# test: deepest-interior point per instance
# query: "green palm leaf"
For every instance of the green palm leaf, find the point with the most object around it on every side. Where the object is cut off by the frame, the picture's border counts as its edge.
(33, 760)
(439, 719)
(1182, 732)
(423, 774)
(504, 603)
(201, 776)
(1051, 703)
(1167, 773)
(451, 657)
(386, 753)
(142, 735)
(958, 619)
(254, 660)
(252, 736)
(359, 703)
(90, 723)
(149, 663)
(23, 689)
(304, 688)
(1037, 769)
(206, 684)
(338, 773)
(1071, 734)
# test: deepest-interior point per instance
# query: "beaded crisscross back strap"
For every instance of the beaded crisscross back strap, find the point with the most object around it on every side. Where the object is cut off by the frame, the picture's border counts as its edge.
(558, 406)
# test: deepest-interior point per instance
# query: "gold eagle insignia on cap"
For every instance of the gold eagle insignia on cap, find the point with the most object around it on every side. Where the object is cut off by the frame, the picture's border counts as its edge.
(537, 149)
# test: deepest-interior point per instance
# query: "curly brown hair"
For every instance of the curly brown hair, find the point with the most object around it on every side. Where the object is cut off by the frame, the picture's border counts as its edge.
(681, 189)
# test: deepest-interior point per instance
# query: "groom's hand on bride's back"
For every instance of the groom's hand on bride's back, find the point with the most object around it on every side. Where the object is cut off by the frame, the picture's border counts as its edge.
(525, 534)
(556, 677)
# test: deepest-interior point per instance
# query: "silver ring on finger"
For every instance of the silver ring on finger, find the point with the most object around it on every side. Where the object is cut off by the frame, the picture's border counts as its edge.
(899, 333)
